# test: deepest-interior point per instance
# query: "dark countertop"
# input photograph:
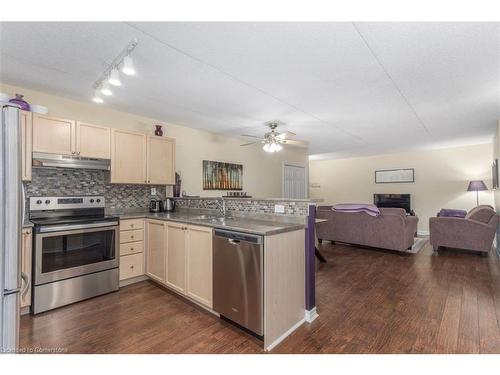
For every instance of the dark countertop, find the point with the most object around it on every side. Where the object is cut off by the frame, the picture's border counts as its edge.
(264, 227)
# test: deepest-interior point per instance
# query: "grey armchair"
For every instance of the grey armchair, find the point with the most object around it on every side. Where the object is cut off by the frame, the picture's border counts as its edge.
(474, 232)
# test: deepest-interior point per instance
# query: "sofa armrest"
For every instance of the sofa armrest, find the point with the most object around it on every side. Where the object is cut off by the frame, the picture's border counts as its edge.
(461, 233)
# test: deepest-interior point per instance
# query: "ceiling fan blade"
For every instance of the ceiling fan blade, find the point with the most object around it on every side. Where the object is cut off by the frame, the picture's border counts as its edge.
(252, 136)
(248, 144)
(294, 142)
(285, 135)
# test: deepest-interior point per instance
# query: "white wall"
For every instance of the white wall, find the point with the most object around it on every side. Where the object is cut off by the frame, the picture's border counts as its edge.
(262, 172)
(441, 178)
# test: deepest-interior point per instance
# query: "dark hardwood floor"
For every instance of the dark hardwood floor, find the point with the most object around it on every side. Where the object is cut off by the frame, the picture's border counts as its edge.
(369, 301)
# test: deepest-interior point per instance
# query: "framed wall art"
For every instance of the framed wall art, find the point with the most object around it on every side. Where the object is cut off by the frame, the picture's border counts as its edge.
(222, 176)
(390, 176)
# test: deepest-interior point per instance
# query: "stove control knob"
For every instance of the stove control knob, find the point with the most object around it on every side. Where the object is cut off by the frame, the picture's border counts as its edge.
(98, 200)
(39, 201)
(92, 200)
(47, 201)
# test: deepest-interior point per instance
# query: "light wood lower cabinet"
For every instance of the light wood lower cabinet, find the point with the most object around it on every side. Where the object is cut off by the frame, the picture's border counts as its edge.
(199, 264)
(26, 267)
(176, 256)
(156, 259)
(131, 248)
(180, 257)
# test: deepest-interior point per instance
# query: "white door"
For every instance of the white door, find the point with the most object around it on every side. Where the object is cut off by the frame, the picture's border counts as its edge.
(294, 182)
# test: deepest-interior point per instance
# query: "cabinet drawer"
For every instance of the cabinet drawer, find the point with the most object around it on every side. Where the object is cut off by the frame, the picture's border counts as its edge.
(131, 224)
(131, 248)
(131, 235)
(131, 266)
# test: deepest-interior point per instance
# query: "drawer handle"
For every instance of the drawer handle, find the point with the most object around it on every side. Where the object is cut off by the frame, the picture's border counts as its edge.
(131, 249)
(131, 236)
(131, 225)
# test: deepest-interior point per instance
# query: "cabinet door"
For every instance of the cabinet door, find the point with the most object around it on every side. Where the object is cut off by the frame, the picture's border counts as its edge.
(176, 256)
(199, 264)
(26, 267)
(128, 157)
(156, 250)
(53, 135)
(27, 144)
(161, 155)
(93, 141)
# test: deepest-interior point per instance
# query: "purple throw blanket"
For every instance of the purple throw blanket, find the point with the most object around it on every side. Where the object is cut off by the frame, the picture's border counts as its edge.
(450, 212)
(370, 209)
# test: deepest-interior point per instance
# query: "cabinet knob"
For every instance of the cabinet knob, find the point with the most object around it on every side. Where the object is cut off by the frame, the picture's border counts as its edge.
(132, 225)
(131, 236)
(132, 267)
(132, 249)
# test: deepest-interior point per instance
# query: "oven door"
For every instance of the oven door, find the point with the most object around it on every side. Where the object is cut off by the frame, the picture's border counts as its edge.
(65, 252)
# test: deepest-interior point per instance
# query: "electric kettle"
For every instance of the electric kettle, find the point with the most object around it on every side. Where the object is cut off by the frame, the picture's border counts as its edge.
(168, 205)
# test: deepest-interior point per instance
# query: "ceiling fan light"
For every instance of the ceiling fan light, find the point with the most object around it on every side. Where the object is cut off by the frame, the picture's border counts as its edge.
(128, 66)
(278, 147)
(105, 90)
(266, 147)
(114, 78)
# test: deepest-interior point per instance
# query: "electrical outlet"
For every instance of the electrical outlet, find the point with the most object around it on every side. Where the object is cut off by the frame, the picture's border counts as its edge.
(279, 209)
(153, 191)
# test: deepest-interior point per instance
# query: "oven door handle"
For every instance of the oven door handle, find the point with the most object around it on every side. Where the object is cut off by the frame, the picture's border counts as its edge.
(61, 228)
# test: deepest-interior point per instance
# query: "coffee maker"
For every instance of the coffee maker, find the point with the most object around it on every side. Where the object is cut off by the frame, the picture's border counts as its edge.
(155, 205)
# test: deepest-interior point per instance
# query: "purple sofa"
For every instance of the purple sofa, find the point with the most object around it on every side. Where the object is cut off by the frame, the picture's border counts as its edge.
(392, 230)
(474, 232)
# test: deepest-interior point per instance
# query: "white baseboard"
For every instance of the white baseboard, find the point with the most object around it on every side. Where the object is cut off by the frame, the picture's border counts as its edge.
(311, 315)
(423, 233)
(284, 335)
(133, 280)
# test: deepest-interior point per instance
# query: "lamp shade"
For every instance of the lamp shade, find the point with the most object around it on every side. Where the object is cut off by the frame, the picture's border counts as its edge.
(477, 185)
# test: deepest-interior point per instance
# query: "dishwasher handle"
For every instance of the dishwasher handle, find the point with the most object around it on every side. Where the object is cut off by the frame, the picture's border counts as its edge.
(233, 242)
(238, 236)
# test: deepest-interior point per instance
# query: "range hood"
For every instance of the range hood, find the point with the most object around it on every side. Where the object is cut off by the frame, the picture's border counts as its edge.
(46, 160)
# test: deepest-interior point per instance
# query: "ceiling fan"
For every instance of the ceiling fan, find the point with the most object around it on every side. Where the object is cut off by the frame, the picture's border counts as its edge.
(274, 141)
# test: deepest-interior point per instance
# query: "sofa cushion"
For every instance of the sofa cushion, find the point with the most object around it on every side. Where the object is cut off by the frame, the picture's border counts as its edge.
(482, 213)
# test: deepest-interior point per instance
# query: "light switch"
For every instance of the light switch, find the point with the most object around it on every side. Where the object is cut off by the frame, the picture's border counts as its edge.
(279, 209)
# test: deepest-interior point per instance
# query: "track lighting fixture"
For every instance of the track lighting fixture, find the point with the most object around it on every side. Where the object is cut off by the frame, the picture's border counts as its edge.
(96, 98)
(114, 78)
(105, 90)
(128, 66)
(111, 76)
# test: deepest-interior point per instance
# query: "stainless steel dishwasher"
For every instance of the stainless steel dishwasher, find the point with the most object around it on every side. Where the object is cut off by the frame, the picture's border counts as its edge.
(238, 278)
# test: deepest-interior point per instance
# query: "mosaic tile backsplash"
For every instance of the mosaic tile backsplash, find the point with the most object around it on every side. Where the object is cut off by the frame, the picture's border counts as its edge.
(65, 182)
(251, 206)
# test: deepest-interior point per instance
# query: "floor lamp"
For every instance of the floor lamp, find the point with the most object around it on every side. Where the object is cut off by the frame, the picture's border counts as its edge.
(477, 186)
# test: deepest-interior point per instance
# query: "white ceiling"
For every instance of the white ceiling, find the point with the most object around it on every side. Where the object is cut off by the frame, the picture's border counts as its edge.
(349, 89)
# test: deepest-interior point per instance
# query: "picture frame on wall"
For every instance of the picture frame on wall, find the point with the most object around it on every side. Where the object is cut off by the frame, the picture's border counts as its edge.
(395, 176)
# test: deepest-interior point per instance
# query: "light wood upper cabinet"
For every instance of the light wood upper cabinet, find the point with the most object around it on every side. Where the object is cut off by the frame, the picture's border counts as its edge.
(26, 267)
(93, 141)
(128, 157)
(199, 264)
(156, 257)
(53, 135)
(176, 256)
(27, 144)
(161, 160)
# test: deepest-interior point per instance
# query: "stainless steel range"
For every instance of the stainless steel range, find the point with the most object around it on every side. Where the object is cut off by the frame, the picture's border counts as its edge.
(75, 250)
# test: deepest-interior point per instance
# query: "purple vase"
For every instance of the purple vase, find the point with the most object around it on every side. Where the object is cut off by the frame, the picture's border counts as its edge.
(158, 131)
(23, 104)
